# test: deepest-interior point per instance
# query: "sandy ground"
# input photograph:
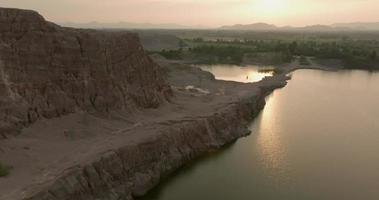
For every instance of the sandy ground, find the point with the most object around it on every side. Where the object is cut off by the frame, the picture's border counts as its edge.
(46, 149)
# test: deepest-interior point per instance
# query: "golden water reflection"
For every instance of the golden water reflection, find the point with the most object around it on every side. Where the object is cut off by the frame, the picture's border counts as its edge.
(246, 74)
(269, 141)
(316, 139)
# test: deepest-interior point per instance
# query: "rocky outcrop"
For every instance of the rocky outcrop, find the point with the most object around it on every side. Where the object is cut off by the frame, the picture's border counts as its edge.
(132, 170)
(48, 71)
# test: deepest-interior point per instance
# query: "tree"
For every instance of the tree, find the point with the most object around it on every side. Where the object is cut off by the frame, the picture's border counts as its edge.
(373, 55)
(293, 46)
(198, 40)
(182, 44)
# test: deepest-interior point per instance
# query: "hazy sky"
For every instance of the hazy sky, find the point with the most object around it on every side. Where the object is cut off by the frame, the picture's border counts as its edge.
(204, 12)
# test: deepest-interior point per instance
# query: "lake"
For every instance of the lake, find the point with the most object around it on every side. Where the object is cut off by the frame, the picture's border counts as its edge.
(316, 139)
(244, 74)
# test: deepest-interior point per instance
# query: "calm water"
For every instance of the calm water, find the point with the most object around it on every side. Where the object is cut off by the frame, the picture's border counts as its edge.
(318, 138)
(246, 74)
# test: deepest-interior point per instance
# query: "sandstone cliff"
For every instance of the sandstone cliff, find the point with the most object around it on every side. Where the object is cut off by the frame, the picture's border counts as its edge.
(48, 71)
(130, 170)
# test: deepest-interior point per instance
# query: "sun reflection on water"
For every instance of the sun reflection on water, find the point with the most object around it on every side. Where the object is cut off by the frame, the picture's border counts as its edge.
(247, 74)
(270, 144)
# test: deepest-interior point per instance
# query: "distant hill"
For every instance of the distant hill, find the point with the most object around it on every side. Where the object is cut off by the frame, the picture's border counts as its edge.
(256, 26)
(358, 25)
(127, 25)
(317, 27)
(271, 27)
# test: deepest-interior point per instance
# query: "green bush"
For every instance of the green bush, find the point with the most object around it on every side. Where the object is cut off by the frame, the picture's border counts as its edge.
(304, 60)
(4, 171)
(226, 54)
(171, 54)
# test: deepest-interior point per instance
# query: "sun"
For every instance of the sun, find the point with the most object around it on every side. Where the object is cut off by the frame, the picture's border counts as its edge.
(272, 6)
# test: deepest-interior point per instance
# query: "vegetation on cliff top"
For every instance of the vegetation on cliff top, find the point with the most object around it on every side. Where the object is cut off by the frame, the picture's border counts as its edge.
(353, 53)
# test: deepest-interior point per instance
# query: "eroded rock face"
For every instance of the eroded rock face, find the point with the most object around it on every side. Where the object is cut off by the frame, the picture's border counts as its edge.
(132, 170)
(47, 71)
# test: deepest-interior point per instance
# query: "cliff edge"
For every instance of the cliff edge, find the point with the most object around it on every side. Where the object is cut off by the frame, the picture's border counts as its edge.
(47, 71)
(83, 114)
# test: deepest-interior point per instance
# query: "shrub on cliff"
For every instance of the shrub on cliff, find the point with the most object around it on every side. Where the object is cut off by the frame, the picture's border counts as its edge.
(4, 171)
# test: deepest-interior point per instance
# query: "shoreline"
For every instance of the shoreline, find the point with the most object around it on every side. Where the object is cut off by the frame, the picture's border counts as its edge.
(115, 137)
(130, 165)
(87, 114)
(185, 142)
(109, 125)
(177, 154)
(130, 169)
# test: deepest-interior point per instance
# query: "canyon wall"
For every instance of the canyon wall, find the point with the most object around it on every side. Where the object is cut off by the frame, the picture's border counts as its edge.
(48, 71)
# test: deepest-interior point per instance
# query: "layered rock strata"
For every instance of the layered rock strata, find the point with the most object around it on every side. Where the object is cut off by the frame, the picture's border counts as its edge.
(48, 71)
(130, 171)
